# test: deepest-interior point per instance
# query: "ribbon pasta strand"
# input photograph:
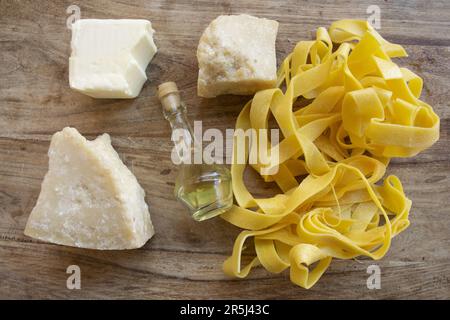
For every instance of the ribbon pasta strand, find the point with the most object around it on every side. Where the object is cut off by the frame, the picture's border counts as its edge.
(363, 110)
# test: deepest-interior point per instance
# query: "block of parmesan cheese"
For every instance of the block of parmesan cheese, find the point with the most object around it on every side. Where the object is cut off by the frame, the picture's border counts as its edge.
(109, 57)
(236, 55)
(89, 198)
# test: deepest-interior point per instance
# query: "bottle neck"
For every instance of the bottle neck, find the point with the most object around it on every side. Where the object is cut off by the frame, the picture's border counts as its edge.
(175, 112)
(178, 119)
(182, 135)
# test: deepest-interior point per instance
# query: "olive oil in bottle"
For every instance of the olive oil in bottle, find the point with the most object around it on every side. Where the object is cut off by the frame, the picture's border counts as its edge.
(205, 189)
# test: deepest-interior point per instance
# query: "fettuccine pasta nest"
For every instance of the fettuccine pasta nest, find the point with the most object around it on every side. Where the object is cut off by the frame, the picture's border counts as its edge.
(363, 110)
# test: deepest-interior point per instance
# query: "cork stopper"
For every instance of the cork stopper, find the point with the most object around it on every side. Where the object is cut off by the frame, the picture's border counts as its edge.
(169, 96)
(166, 88)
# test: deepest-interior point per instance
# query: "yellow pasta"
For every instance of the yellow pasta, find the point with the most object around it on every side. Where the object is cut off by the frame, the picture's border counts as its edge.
(363, 109)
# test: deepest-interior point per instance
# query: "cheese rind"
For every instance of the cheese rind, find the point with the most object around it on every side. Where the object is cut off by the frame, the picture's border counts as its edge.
(89, 198)
(109, 57)
(236, 55)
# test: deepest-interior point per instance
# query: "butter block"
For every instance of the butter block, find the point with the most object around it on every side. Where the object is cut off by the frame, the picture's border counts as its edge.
(236, 55)
(109, 57)
(89, 198)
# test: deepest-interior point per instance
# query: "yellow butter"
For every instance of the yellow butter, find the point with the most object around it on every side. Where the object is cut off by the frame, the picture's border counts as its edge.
(364, 110)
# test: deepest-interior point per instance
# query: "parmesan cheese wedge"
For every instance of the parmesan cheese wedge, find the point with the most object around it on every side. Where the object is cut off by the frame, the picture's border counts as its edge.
(89, 198)
(236, 55)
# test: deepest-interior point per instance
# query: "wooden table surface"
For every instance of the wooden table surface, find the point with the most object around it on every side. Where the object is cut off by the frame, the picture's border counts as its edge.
(184, 259)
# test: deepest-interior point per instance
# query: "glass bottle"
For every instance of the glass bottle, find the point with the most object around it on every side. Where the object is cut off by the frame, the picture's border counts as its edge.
(205, 189)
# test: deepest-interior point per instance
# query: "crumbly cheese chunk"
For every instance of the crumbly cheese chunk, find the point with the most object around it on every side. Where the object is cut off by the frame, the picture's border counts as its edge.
(89, 198)
(236, 55)
(109, 57)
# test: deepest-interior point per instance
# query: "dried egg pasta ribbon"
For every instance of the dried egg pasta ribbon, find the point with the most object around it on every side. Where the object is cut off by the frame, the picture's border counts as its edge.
(364, 110)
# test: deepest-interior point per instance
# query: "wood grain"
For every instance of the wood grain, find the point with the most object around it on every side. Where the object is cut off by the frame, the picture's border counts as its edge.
(184, 259)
